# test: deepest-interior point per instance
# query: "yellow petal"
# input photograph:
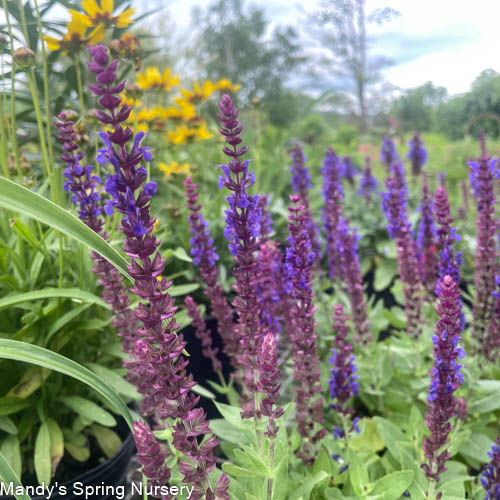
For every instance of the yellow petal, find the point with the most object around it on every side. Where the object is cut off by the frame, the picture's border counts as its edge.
(75, 26)
(80, 17)
(90, 7)
(108, 6)
(124, 18)
(52, 43)
(97, 35)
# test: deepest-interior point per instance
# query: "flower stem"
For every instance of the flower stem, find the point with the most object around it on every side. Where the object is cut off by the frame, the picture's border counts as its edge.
(12, 90)
(48, 117)
(79, 85)
(271, 461)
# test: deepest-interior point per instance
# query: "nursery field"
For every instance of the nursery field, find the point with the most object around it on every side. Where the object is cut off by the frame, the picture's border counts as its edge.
(225, 306)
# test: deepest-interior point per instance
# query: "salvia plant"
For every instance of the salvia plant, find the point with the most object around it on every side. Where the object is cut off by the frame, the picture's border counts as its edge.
(342, 356)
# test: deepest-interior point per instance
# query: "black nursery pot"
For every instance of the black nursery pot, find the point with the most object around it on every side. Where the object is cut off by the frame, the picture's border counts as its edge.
(111, 474)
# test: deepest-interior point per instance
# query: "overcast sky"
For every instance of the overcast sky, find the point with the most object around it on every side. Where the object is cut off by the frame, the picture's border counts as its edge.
(446, 41)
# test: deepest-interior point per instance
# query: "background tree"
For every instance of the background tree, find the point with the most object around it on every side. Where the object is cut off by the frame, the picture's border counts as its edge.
(234, 41)
(415, 109)
(341, 27)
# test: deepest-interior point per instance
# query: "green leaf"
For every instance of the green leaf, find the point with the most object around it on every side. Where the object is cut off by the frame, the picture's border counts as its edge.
(394, 319)
(7, 425)
(392, 486)
(64, 320)
(454, 488)
(177, 290)
(280, 480)
(358, 474)
(42, 455)
(12, 452)
(391, 434)
(369, 440)
(477, 447)
(225, 431)
(118, 383)
(18, 198)
(250, 458)
(9, 405)
(90, 410)
(56, 444)
(485, 405)
(304, 492)
(199, 389)
(384, 273)
(230, 413)
(49, 293)
(179, 253)
(236, 471)
(79, 453)
(22, 351)
(10, 478)
(29, 383)
(108, 440)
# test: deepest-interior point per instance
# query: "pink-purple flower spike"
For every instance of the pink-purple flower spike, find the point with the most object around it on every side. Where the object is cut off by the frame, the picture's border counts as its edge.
(164, 382)
(242, 232)
(300, 258)
(445, 378)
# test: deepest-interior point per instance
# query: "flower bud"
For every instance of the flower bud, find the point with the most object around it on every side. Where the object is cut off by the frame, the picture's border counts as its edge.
(24, 57)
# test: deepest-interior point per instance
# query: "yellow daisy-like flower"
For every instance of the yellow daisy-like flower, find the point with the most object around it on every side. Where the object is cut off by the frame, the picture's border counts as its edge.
(174, 168)
(75, 39)
(200, 93)
(202, 133)
(102, 15)
(153, 79)
(225, 84)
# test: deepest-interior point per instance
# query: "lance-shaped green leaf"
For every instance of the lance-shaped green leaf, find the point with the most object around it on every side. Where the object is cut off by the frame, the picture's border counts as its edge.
(19, 199)
(9, 477)
(22, 351)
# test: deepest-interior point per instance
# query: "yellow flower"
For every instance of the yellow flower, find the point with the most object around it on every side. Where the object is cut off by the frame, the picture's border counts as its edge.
(225, 84)
(202, 133)
(75, 39)
(200, 93)
(153, 79)
(173, 168)
(184, 134)
(102, 15)
(130, 101)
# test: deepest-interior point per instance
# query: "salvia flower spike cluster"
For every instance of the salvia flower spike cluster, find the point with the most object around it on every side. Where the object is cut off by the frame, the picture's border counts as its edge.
(242, 232)
(300, 258)
(394, 204)
(446, 378)
(482, 175)
(164, 382)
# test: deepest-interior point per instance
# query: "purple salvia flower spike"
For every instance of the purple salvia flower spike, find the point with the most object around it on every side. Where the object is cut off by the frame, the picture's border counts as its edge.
(388, 153)
(84, 187)
(368, 185)
(343, 379)
(204, 258)
(267, 362)
(161, 370)
(417, 154)
(333, 194)
(348, 249)
(151, 457)
(490, 478)
(394, 203)
(242, 231)
(426, 241)
(300, 258)
(486, 263)
(348, 170)
(301, 184)
(445, 378)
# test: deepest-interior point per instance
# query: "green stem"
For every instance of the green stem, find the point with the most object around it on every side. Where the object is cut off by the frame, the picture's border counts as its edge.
(271, 465)
(48, 116)
(79, 85)
(4, 152)
(12, 91)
